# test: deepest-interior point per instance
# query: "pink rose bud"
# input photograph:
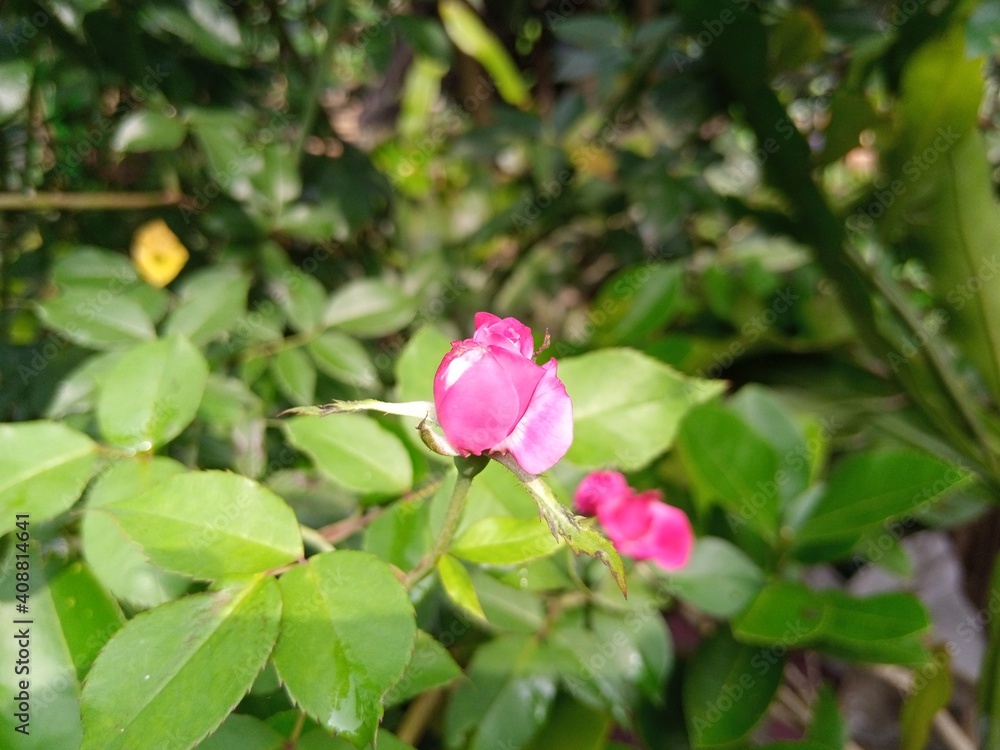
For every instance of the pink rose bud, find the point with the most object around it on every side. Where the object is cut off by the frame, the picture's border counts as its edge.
(490, 396)
(640, 524)
(598, 488)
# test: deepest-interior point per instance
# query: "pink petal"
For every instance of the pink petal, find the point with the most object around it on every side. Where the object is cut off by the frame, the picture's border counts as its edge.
(477, 402)
(485, 319)
(506, 333)
(597, 488)
(626, 520)
(672, 537)
(524, 375)
(545, 431)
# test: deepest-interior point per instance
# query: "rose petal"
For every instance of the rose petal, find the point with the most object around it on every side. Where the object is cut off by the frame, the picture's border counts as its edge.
(545, 431)
(507, 333)
(627, 518)
(477, 402)
(598, 488)
(672, 538)
(524, 375)
(484, 319)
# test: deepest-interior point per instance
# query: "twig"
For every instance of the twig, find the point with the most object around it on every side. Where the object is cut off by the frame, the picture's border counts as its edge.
(347, 527)
(86, 201)
(418, 716)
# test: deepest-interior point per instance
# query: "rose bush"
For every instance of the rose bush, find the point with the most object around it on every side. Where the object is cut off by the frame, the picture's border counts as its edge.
(639, 523)
(491, 397)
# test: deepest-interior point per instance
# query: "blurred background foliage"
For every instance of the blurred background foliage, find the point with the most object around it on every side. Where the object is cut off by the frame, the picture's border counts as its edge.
(797, 197)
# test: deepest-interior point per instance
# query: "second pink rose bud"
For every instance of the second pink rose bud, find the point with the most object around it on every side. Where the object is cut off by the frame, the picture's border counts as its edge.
(640, 524)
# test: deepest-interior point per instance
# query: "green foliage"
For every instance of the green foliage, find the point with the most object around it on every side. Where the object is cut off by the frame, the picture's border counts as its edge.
(759, 239)
(626, 406)
(326, 656)
(139, 684)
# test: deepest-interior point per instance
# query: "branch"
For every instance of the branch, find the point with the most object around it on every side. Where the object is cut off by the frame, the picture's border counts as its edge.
(86, 201)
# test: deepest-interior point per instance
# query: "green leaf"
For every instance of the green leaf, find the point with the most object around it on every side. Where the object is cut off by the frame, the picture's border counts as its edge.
(420, 92)
(222, 136)
(116, 560)
(635, 302)
(623, 656)
(295, 374)
(430, 666)
(508, 608)
(97, 322)
(627, 406)
(301, 296)
(227, 403)
(242, 732)
(88, 616)
(369, 308)
(931, 693)
(879, 629)
(872, 488)
(326, 655)
(719, 578)
(44, 467)
(211, 524)
(498, 540)
(208, 26)
(105, 274)
(457, 584)
(941, 88)
(401, 535)
(418, 363)
(470, 35)
(77, 392)
(211, 302)
(727, 689)
(734, 465)
(344, 358)
(827, 728)
(354, 451)
(505, 700)
(943, 166)
(53, 712)
(139, 693)
(573, 726)
(786, 614)
(148, 131)
(765, 414)
(152, 394)
(415, 369)
(496, 492)
(278, 182)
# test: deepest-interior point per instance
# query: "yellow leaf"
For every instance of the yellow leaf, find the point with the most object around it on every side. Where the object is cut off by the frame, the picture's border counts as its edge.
(157, 253)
